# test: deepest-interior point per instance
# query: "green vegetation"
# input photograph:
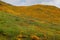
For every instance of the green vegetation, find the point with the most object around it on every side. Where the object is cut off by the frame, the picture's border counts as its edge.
(7, 25)
(11, 26)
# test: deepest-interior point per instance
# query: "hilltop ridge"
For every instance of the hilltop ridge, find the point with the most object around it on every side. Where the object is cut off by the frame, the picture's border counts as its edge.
(4, 5)
(17, 10)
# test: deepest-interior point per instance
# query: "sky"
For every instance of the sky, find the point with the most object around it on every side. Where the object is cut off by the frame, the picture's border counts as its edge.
(31, 2)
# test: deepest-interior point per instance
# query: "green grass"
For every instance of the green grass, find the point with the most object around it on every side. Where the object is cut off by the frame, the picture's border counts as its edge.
(8, 26)
(11, 26)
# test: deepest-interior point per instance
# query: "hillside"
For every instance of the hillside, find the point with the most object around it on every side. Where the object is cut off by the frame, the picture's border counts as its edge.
(36, 22)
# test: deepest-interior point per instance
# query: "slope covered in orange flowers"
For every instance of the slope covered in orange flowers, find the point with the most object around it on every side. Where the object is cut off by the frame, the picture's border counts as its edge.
(43, 12)
(36, 22)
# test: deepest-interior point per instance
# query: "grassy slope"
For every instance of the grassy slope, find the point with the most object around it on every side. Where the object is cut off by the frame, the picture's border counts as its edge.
(38, 22)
